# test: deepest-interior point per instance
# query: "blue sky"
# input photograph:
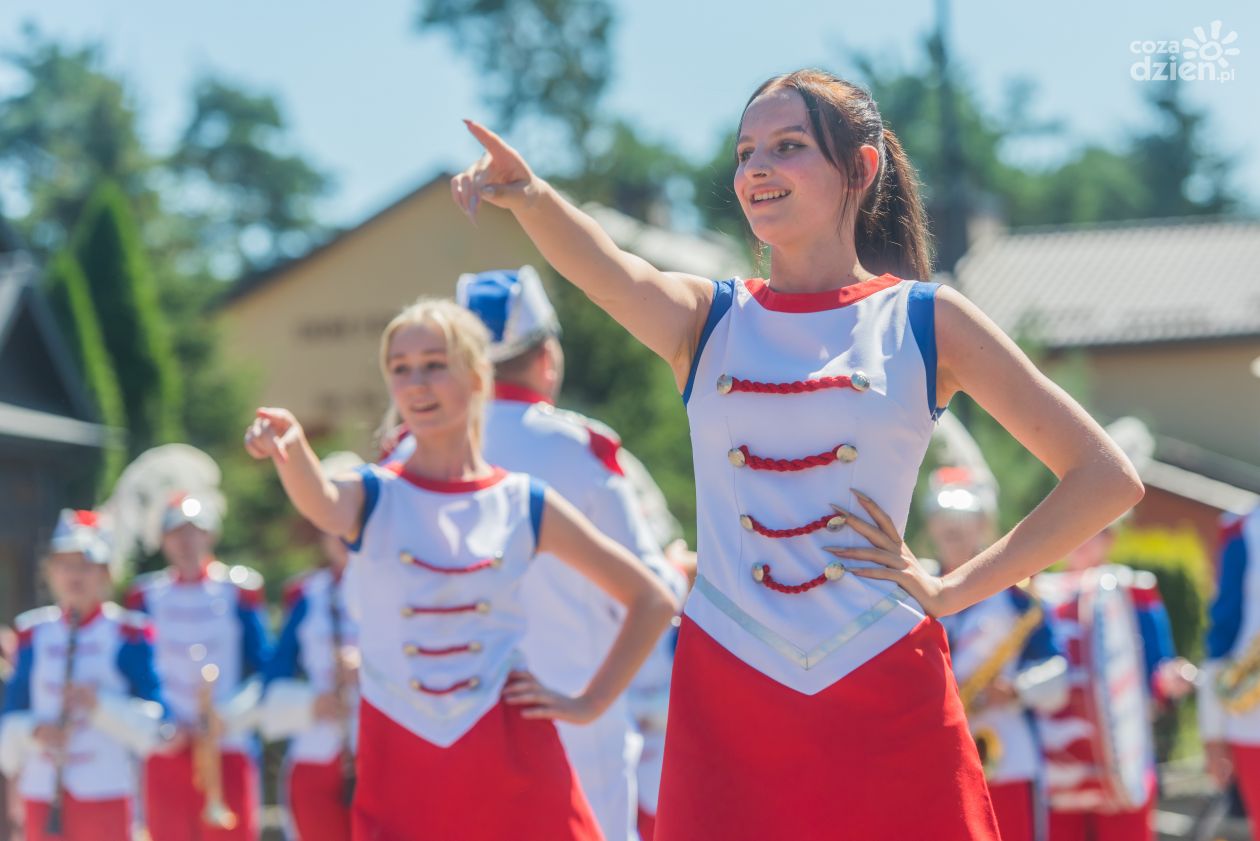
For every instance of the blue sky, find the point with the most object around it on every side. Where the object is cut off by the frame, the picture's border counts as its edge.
(379, 106)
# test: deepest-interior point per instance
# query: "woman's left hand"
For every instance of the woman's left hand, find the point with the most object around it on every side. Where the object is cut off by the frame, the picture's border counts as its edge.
(524, 690)
(896, 562)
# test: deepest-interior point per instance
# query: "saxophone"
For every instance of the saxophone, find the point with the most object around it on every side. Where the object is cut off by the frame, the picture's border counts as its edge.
(1238, 684)
(988, 743)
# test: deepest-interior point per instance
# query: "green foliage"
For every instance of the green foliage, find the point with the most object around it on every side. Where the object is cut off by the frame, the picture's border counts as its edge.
(124, 295)
(255, 198)
(68, 294)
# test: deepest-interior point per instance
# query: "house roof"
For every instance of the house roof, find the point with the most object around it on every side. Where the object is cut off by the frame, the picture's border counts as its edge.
(1119, 284)
(707, 254)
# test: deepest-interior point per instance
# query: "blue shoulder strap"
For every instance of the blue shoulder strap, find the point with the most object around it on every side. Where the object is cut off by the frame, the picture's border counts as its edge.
(371, 493)
(537, 501)
(922, 314)
(723, 296)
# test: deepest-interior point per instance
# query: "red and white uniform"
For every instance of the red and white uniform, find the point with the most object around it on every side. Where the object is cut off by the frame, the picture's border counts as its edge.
(1038, 673)
(215, 619)
(314, 771)
(113, 653)
(795, 401)
(1233, 630)
(437, 572)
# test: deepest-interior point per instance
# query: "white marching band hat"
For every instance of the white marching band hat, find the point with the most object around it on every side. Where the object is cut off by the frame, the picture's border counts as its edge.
(960, 490)
(201, 511)
(513, 305)
(81, 531)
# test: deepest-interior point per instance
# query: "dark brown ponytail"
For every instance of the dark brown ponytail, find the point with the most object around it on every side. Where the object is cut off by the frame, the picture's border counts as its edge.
(890, 228)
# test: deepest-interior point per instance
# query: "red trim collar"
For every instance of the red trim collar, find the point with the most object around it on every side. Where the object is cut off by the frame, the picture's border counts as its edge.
(828, 299)
(87, 617)
(200, 576)
(519, 393)
(447, 486)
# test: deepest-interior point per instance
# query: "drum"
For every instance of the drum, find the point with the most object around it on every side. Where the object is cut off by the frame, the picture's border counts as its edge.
(1100, 747)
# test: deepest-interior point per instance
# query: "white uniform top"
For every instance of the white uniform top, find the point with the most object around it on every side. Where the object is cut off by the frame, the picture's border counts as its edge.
(440, 618)
(305, 647)
(974, 635)
(113, 654)
(1234, 628)
(216, 619)
(879, 333)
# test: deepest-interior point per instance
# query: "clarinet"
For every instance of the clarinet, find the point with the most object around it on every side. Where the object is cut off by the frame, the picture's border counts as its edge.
(56, 813)
(348, 774)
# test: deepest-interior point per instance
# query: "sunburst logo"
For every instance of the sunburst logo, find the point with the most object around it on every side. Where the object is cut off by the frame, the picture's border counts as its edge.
(1210, 48)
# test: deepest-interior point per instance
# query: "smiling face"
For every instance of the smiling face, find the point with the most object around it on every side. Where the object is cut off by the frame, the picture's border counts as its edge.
(433, 397)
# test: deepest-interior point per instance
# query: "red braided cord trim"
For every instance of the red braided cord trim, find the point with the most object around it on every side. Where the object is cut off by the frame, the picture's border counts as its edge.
(454, 687)
(787, 465)
(457, 608)
(473, 567)
(799, 531)
(798, 387)
(440, 652)
(791, 589)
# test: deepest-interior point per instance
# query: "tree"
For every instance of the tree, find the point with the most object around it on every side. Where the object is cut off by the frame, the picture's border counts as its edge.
(124, 295)
(68, 127)
(71, 302)
(253, 197)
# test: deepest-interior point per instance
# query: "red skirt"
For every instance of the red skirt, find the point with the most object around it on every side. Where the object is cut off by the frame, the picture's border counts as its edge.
(507, 777)
(883, 753)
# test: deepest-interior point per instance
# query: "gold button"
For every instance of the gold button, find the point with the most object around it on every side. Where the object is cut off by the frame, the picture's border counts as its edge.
(846, 453)
(859, 381)
(759, 572)
(474, 682)
(417, 685)
(483, 607)
(746, 522)
(736, 457)
(406, 612)
(837, 522)
(405, 558)
(410, 650)
(497, 560)
(834, 571)
(724, 384)
(474, 646)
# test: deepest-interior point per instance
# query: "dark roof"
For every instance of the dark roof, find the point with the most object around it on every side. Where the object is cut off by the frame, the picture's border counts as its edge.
(1118, 284)
(249, 283)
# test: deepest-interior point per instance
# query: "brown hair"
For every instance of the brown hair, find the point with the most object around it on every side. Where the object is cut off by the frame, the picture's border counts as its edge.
(467, 348)
(890, 230)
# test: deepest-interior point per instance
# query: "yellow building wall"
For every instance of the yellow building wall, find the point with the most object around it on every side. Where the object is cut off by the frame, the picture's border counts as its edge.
(310, 335)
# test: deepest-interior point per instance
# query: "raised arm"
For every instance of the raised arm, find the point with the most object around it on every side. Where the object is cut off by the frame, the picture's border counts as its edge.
(663, 310)
(568, 535)
(331, 506)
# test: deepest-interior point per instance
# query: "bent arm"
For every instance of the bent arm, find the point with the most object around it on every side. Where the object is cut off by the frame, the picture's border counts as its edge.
(568, 535)
(1097, 483)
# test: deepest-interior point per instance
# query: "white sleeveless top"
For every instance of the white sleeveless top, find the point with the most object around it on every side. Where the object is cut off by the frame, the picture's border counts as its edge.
(851, 405)
(437, 570)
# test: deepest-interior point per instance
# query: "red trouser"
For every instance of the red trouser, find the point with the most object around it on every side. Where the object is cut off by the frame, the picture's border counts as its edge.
(1013, 805)
(1095, 826)
(174, 805)
(1246, 759)
(81, 820)
(316, 801)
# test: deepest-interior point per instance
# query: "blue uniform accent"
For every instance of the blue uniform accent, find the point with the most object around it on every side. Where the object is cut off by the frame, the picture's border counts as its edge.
(537, 501)
(1225, 614)
(17, 692)
(1157, 638)
(371, 493)
(723, 296)
(488, 297)
(922, 313)
(286, 659)
(255, 646)
(135, 663)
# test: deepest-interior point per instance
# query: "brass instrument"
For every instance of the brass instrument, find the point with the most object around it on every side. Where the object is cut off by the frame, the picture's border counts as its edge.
(341, 687)
(1238, 684)
(56, 811)
(972, 690)
(208, 757)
